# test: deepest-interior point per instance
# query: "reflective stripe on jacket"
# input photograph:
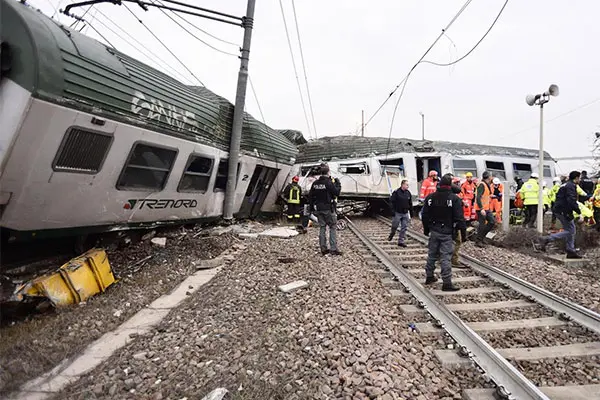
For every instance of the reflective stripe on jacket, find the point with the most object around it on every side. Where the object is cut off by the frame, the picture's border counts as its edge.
(529, 192)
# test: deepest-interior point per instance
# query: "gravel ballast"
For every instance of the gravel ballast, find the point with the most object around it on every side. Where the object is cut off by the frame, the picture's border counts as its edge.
(31, 347)
(342, 336)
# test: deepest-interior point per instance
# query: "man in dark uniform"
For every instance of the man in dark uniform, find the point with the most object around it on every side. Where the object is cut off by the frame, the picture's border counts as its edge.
(322, 195)
(442, 213)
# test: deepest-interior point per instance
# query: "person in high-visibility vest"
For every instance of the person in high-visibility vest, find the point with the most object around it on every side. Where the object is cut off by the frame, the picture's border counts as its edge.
(557, 182)
(596, 204)
(467, 194)
(546, 197)
(292, 194)
(529, 194)
(496, 199)
(483, 208)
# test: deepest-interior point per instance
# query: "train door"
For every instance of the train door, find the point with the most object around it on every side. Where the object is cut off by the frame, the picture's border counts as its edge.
(258, 189)
(426, 164)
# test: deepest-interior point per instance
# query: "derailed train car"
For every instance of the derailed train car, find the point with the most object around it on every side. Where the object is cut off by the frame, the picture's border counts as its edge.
(94, 140)
(369, 168)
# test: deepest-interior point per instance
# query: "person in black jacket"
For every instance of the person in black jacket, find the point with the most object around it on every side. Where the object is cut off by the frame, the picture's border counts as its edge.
(442, 214)
(586, 184)
(402, 205)
(564, 206)
(322, 197)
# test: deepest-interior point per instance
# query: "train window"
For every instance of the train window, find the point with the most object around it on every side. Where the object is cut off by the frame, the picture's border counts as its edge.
(393, 163)
(147, 168)
(222, 171)
(522, 171)
(547, 171)
(311, 170)
(82, 151)
(196, 175)
(496, 168)
(461, 167)
(354, 169)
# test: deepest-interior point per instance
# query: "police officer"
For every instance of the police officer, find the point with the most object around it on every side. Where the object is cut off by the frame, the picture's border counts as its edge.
(322, 195)
(442, 212)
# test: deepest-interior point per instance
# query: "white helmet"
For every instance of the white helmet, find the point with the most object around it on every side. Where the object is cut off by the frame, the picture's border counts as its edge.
(556, 179)
(535, 175)
(496, 181)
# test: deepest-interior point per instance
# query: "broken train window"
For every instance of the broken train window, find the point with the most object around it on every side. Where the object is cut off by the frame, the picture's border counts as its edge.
(354, 169)
(197, 174)
(147, 168)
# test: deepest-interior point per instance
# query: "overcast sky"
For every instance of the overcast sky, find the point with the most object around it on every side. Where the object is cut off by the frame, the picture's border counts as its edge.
(356, 52)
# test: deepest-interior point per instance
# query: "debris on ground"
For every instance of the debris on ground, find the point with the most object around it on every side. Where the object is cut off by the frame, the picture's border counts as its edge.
(280, 232)
(72, 283)
(216, 394)
(159, 241)
(293, 286)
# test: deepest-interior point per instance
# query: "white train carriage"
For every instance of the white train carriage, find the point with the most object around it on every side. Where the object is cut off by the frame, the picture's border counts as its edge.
(369, 168)
(94, 140)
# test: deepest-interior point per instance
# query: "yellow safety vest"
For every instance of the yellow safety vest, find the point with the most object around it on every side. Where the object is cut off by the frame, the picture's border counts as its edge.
(596, 198)
(553, 192)
(529, 192)
(546, 197)
(294, 195)
(585, 211)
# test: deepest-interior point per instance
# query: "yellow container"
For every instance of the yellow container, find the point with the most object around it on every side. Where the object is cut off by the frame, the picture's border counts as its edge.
(74, 282)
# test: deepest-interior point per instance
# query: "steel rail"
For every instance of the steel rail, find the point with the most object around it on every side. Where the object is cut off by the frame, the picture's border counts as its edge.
(574, 311)
(504, 374)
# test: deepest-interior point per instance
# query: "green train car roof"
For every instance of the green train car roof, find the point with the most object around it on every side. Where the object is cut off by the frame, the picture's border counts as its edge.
(65, 67)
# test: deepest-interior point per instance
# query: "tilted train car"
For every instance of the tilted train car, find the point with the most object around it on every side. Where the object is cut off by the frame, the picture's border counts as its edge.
(94, 140)
(370, 167)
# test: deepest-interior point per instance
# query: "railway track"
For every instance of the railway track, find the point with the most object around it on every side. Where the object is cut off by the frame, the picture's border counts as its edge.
(505, 325)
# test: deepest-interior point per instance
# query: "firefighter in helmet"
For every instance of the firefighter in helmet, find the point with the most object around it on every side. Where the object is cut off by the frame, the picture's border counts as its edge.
(292, 195)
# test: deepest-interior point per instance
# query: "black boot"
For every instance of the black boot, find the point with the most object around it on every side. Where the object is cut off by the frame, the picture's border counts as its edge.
(391, 236)
(430, 280)
(449, 287)
(573, 255)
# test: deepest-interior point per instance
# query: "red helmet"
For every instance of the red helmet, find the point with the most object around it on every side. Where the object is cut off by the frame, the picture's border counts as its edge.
(433, 173)
(295, 179)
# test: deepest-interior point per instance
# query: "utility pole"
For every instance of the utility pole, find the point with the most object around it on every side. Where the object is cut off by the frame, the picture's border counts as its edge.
(362, 124)
(422, 125)
(238, 114)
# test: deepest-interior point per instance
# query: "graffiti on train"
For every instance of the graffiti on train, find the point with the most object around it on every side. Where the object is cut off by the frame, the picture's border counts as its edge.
(154, 109)
(156, 204)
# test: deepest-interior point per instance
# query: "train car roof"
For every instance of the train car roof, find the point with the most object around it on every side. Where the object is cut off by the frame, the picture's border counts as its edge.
(65, 67)
(345, 147)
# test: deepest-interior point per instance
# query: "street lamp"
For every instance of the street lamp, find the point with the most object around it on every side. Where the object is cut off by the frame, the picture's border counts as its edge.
(534, 100)
(422, 125)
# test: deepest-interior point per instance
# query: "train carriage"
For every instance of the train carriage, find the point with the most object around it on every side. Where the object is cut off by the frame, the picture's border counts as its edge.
(369, 168)
(94, 140)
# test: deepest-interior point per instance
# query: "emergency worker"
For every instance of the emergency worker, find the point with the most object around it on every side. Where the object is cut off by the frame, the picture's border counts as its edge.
(564, 207)
(429, 185)
(556, 185)
(546, 197)
(442, 214)
(586, 183)
(322, 195)
(485, 214)
(496, 199)
(458, 238)
(292, 194)
(401, 201)
(529, 193)
(596, 204)
(468, 196)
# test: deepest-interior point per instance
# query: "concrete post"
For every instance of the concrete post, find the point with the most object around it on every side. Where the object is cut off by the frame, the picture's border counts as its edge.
(506, 207)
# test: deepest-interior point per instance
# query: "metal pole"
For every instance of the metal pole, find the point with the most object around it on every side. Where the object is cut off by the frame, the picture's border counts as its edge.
(540, 214)
(506, 207)
(238, 113)
(422, 126)
(362, 129)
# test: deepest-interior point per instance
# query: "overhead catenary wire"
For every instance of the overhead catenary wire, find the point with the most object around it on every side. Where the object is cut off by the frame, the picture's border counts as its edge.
(74, 24)
(152, 56)
(476, 44)
(202, 30)
(193, 35)
(312, 113)
(287, 34)
(164, 45)
(462, 9)
(88, 23)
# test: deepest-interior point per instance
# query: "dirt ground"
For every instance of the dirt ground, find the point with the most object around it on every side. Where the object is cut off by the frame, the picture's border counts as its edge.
(33, 346)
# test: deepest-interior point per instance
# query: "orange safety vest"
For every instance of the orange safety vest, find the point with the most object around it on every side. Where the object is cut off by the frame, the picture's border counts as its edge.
(429, 186)
(468, 190)
(485, 198)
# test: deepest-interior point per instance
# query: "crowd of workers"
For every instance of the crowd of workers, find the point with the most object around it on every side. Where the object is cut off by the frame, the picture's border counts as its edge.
(449, 206)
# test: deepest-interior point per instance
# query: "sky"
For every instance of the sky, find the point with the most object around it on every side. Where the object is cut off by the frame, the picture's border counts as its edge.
(356, 52)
